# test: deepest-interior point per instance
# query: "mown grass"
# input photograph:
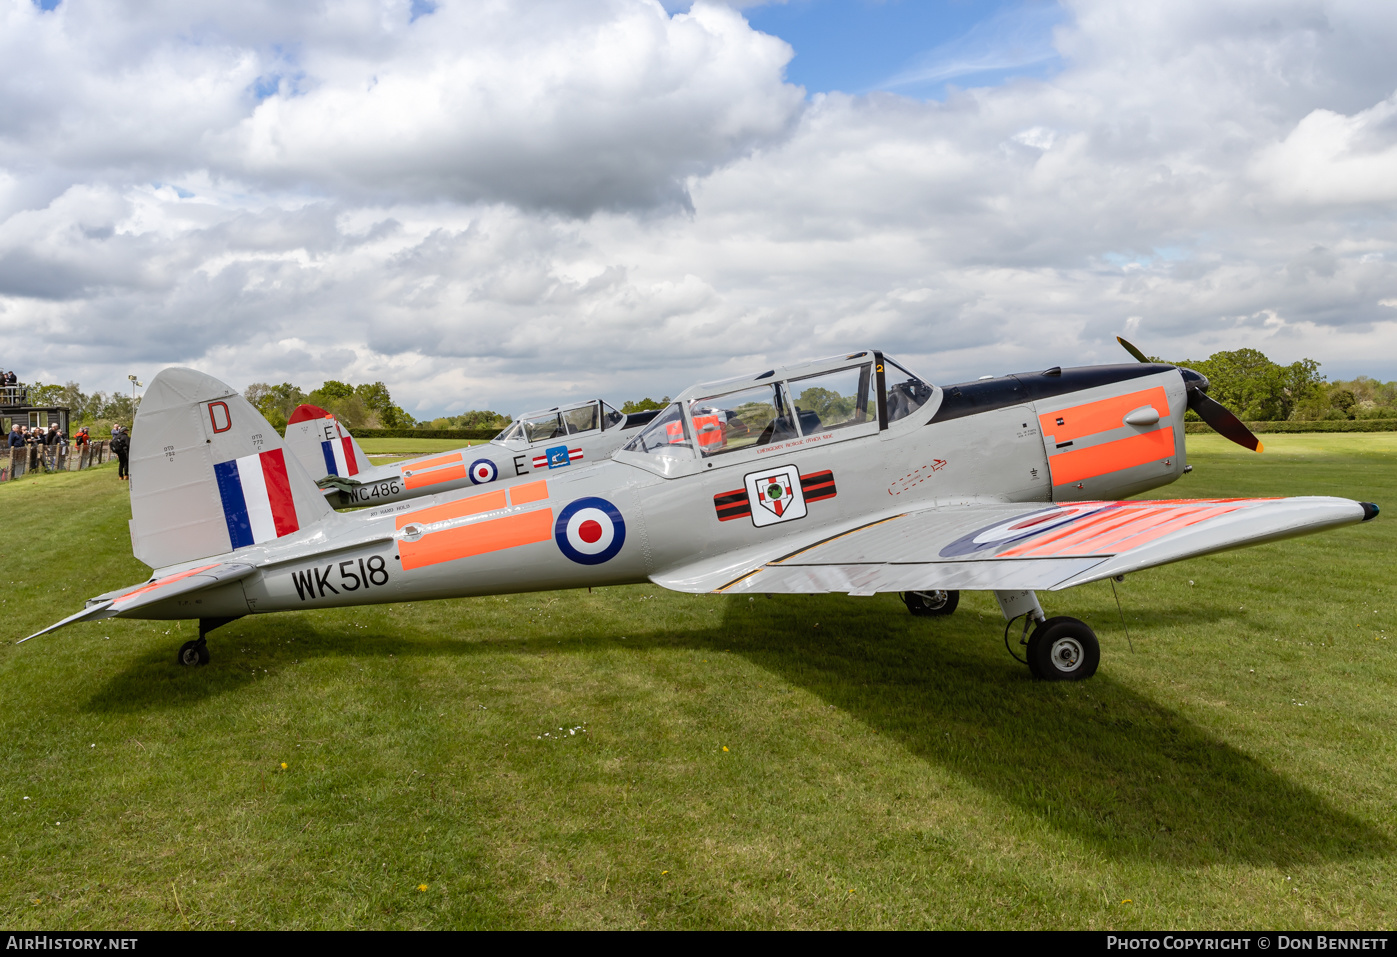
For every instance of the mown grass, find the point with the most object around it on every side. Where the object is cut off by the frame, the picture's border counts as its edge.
(786, 762)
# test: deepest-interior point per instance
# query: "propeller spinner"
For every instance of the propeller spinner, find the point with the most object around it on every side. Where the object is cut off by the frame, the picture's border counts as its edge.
(1222, 420)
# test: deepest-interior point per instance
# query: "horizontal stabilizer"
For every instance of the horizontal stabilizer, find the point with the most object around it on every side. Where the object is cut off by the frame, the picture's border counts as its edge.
(117, 603)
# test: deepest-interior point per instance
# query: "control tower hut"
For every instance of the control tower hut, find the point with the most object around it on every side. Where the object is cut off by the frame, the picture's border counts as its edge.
(16, 410)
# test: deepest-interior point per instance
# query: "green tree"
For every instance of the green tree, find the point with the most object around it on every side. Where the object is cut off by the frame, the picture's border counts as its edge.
(377, 399)
(474, 419)
(644, 405)
(334, 389)
(1257, 389)
(275, 402)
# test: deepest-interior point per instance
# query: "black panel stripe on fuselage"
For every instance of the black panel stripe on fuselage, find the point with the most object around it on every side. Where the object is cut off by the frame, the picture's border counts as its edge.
(986, 395)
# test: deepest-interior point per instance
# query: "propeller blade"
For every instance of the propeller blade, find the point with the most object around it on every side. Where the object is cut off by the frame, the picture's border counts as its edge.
(1223, 421)
(1140, 356)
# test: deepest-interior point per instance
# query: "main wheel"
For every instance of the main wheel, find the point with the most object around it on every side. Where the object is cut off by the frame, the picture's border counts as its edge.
(1063, 649)
(193, 654)
(931, 602)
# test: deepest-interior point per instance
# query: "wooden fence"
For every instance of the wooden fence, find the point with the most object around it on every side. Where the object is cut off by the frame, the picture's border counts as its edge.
(52, 458)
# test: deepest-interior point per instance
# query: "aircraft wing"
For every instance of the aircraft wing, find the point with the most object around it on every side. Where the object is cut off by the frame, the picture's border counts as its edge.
(1001, 546)
(115, 603)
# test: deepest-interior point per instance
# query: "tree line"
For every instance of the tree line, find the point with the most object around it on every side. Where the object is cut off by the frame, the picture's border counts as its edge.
(1259, 390)
(1244, 380)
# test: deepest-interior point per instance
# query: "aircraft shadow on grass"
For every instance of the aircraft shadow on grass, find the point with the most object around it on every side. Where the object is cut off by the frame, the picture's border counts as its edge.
(1097, 761)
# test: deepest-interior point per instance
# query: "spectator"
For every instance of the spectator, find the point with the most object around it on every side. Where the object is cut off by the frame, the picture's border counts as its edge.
(82, 439)
(121, 448)
(16, 439)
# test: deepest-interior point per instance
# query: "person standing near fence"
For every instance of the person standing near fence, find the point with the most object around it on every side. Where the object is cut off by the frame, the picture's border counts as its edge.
(16, 439)
(121, 447)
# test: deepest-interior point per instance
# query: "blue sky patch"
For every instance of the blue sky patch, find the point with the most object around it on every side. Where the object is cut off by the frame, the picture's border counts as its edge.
(914, 47)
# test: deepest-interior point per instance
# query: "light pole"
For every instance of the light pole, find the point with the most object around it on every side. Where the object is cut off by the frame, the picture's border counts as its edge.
(134, 383)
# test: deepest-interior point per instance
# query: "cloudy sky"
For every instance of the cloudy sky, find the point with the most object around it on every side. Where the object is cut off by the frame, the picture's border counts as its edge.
(500, 204)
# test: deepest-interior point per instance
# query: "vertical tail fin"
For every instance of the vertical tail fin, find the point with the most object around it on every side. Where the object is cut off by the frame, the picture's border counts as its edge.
(322, 444)
(209, 474)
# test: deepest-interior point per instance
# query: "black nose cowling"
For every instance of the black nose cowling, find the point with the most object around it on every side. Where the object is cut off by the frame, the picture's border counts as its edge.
(1194, 380)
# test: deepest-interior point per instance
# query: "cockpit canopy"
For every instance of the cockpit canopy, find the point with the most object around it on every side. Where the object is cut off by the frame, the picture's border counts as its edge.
(560, 422)
(862, 389)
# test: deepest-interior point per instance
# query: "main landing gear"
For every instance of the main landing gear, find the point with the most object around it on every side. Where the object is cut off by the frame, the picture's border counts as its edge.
(1060, 649)
(195, 653)
(928, 603)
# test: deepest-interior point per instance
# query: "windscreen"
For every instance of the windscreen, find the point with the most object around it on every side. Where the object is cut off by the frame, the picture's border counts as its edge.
(666, 434)
(906, 393)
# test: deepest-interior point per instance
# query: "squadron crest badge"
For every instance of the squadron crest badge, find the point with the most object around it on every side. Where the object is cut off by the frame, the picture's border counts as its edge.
(775, 495)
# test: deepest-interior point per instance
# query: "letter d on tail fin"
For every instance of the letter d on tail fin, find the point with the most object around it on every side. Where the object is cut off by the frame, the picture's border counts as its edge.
(209, 474)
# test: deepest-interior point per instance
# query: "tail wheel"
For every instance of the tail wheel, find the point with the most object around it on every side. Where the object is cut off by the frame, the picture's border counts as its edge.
(926, 603)
(1063, 649)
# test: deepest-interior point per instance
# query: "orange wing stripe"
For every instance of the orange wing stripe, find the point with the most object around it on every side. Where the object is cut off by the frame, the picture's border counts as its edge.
(473, 505)
(1090, 527)
(467, 540)
(160, 583)
(1069, 467)
(1100, 416)
(1103, 541)
(528, 492)
(435, 477)
(430, 463)
(1193, 517)
(1120, 530)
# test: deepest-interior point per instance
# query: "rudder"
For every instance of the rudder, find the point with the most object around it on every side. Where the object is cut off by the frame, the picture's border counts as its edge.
(209, 474)
(322, 444)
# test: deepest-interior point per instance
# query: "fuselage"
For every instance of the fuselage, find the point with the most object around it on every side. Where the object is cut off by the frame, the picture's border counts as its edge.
(519, 455)
(1062, 435)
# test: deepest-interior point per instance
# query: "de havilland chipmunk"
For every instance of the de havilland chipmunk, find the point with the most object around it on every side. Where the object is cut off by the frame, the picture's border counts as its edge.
(573, 434)
(848, 474)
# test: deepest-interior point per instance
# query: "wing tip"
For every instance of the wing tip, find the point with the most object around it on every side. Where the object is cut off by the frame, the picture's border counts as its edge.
(1370, 510)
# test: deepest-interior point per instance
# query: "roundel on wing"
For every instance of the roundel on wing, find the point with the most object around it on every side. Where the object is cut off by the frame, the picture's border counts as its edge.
(483, 471)
(1022, 527)
(590, 531)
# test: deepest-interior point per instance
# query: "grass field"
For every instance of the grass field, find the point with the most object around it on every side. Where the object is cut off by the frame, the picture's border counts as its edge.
(636, 758)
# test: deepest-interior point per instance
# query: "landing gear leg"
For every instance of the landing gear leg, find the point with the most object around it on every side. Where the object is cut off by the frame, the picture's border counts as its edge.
(1060, 649)
(195, 653)
(1015, 605)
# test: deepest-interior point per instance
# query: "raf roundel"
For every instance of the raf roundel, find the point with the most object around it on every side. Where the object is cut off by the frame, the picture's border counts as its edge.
(483, 471)
(590, 531)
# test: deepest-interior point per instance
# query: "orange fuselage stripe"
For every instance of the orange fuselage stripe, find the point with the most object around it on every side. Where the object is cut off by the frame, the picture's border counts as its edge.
(434, 477)
(430, 463)
(460, 508)
(528, 492)
(1093, 417)
(1079, 464)
(477, 539)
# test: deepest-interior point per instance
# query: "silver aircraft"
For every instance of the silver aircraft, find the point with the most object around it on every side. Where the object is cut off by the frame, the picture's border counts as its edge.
(563, 436)
(848, 474)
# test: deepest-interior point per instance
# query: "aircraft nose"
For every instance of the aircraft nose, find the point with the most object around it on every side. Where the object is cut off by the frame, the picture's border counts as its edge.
(1194, 380)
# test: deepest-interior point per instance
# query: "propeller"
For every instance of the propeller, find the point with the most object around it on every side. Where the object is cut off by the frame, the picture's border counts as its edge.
(1218, 416)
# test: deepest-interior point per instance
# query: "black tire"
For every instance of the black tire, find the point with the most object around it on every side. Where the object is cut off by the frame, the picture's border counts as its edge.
(928, 603)
(1063, 649)
(193, 653)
